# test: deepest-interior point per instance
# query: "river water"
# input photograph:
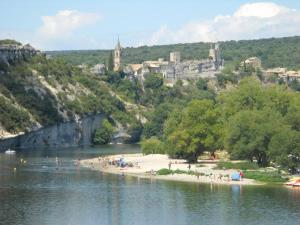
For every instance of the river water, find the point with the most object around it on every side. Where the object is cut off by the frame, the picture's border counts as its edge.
(37, 193)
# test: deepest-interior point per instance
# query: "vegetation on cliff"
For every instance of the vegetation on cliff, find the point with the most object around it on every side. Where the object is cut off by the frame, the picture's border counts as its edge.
(104, 134)
(9, 42)
(41, 92)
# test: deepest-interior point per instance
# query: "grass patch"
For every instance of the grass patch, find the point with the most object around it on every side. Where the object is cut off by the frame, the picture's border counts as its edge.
(177, 171)
(237, 166)
(269, 177)
(164, 172)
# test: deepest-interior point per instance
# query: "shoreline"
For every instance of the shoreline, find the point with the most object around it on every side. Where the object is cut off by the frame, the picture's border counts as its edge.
(146, 166)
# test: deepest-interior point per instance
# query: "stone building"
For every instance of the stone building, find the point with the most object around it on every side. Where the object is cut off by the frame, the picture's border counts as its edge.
(175, 57)
(175, 69)
(98, 69)
(117, 56)
(283, 73)
(253, 61)
(214, 53)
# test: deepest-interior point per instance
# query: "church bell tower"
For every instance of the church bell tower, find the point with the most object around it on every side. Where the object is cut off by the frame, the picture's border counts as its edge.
(117, 56)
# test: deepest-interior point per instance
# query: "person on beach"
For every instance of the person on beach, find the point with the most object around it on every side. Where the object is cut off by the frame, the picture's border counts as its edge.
(152, 172)
(189, 166)
(169, 165)
(211, 177)
(241, 175)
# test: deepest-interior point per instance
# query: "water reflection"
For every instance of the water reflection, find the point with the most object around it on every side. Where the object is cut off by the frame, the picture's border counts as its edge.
(37, 194)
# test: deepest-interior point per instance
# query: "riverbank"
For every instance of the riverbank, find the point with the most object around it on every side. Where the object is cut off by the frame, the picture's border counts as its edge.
(150, 166)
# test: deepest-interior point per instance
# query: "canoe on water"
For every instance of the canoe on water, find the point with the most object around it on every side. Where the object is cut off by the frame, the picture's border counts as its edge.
(10, 152)
(294, 183)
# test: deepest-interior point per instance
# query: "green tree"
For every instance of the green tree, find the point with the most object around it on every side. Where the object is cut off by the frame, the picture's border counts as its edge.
(284, 149)
(295, 85)
(248, 134)
(152, 146)
(110, 62)
(154, 127)
(103, 135)
(195, 133)
(153, 81)
(201, 84)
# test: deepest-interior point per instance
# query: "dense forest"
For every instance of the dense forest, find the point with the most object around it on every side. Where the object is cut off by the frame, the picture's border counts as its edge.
(274, 52)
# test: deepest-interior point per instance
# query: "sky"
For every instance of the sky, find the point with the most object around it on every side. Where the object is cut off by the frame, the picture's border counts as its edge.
(96, 24)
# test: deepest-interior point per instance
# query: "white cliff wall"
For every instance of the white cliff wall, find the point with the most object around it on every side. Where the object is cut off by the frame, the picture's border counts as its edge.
(60, 135)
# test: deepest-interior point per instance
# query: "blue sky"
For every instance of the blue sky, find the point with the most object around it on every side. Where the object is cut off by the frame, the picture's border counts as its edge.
(95, 24)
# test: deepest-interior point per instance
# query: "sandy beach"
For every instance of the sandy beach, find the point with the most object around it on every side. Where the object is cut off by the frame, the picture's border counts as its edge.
(146, 166)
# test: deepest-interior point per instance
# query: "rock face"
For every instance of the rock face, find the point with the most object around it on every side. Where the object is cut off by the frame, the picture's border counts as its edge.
(60, 135)
(10, 53)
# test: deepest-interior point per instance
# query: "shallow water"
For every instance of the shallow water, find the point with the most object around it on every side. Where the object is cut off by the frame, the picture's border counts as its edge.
(38, 193)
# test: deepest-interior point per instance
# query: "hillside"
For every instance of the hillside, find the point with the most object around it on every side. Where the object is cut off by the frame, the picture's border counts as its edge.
(274, 52)
(40, 92)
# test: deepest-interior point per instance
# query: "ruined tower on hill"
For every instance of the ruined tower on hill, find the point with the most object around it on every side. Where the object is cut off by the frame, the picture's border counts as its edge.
(117, 56)
(215, 55)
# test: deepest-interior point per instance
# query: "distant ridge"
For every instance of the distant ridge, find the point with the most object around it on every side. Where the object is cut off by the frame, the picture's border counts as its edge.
(274, 52)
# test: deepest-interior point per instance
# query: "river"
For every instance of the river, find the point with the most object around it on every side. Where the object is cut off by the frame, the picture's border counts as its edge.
(40, 193)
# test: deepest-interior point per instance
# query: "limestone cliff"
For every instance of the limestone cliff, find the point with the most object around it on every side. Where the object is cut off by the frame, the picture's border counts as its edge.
(12, 52)
(61, 135)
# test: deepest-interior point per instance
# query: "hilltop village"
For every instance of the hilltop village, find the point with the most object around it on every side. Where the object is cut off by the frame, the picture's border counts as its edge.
(175, 68)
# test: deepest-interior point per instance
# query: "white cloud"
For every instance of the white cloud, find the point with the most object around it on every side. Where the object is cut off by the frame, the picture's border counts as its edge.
(250, 21)
(261, 10)
(62, 31)
(65, 22)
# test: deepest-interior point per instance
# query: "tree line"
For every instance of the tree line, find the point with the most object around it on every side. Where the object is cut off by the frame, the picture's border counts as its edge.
(252, 121)
(274, 52)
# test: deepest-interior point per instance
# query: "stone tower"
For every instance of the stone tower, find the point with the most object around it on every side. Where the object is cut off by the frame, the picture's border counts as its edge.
(212, 53)
(215, 55)
(175, 57)
(117, 56)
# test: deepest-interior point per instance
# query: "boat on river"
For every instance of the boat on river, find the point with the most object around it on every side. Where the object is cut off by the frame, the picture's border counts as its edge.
(10, 152)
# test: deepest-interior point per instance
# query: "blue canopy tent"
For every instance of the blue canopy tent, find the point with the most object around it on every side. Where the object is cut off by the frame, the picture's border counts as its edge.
(235, 176)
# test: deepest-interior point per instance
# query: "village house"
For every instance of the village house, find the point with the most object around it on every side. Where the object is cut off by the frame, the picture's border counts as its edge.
(175, 69)
(98, 69)
(283, 73)
(253, 61)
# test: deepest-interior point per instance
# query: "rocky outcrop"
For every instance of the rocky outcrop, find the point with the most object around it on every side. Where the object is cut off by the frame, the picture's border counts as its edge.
(10, 53)
(60, 135)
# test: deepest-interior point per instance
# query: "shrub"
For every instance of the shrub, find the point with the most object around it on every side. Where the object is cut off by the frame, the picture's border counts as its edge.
(103, 135)
(152, 146)
(201, 84)
(270, 177)
(164, 171)
(240, 165)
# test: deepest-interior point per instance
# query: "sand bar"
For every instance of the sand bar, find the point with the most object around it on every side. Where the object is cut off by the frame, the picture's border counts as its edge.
(146, 165)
